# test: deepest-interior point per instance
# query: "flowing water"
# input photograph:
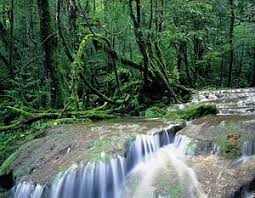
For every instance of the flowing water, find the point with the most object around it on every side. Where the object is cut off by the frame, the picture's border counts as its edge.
(143, 180)
(228, 102)
(146, 156)
(153, 166)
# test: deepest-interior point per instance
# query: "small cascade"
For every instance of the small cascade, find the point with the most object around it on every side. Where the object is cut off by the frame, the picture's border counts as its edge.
(205, 96)
(145, 145)
(28, 190)
(168, 160)
(215, 149)
(97, 179)
(229, 102)
(108, 179)
(248, 148)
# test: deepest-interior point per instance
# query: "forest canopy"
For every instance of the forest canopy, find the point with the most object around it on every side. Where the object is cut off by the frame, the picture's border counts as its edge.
(123, 55)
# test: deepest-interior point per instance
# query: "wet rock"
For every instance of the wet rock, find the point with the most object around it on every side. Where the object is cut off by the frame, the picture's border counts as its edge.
(228, 132)
(220, 177)
(228, 102)
(42, 159)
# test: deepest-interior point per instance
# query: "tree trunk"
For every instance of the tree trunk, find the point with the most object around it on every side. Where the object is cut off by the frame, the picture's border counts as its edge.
(72, 15)
(153, 62)
(64, 42)
(49, 44)
(11, 39)
(253, 78)
(139, 38)
(186, 62)
(231, 42)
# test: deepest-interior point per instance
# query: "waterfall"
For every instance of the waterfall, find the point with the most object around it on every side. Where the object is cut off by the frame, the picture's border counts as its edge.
(108, 179)
(97, 179)
(248, 148)
(28, 190)
(145, 173)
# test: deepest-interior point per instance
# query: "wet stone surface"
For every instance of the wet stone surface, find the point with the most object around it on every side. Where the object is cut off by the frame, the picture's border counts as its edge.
(42, 159)
(215, 158)
(228, 102)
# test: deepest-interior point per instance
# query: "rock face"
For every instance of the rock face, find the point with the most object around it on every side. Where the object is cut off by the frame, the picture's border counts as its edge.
(210, 131)
(230, 137)
(220, 177)
(42, 159)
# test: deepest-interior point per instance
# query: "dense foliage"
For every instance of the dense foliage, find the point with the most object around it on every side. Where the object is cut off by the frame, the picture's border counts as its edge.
(126, 55)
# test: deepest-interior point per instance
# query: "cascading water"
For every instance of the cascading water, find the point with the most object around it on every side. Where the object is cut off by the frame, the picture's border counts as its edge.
(248, 148)
(228, 102)
(171, 158)
(95, 179)
(28, 190)
(109, 179)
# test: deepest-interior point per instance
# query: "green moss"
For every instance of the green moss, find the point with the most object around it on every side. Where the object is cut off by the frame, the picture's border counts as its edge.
(198, 111)
(5, 167)
(100, 150)
(154, 112)
(191, 148)
(173, 115)
(230, 141)
(176, 191)
(4, 194)
(12, 141)
(193, 112)
(107, 149)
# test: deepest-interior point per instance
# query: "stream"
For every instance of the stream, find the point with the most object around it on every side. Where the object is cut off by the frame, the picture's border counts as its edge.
(161, 165)
(144, 159)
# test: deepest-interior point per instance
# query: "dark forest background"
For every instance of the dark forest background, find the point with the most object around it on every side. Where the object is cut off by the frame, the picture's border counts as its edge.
(124, 54)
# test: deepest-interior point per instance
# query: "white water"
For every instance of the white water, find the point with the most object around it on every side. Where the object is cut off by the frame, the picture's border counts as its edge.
(169, 158)
(28, 190)
(145, 157)
(228, 102)
(95, 179)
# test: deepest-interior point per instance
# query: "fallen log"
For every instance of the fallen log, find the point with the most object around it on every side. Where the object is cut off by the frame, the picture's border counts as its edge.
(93, 115)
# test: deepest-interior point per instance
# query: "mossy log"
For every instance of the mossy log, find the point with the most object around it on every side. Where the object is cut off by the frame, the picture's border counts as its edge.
(93, 115)
(78, 70)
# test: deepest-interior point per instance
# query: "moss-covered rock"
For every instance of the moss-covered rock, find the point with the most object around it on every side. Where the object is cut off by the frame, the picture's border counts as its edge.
(5, 194)
(224, 135)
(192, 112)
(198, 111)
(62, 146)
(176, 191)
(5, 167)
(230, 141)
(154, 112)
